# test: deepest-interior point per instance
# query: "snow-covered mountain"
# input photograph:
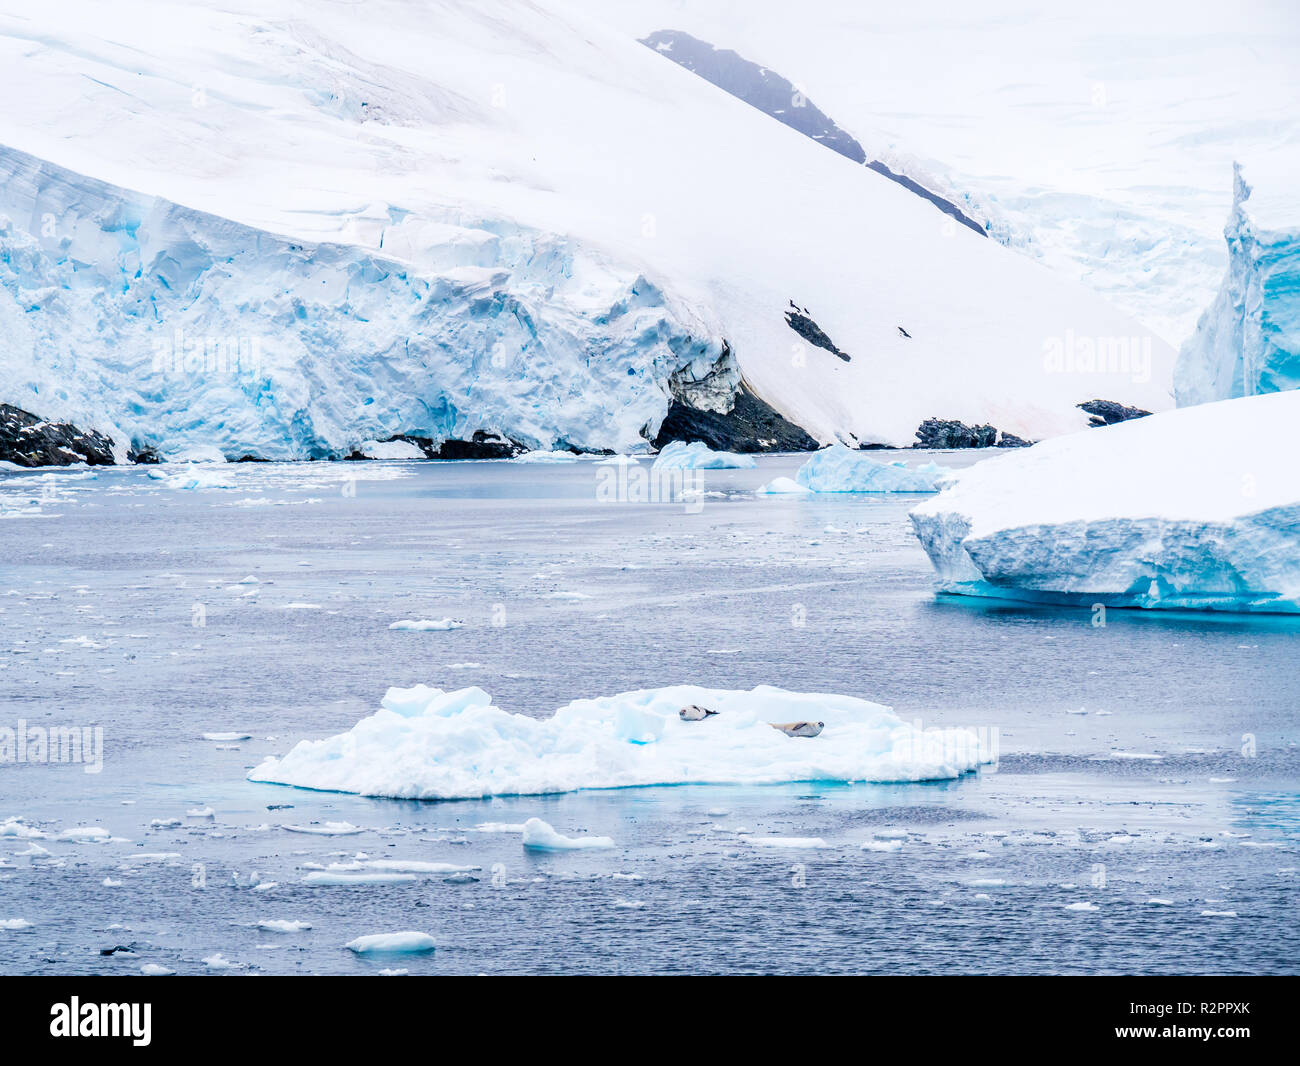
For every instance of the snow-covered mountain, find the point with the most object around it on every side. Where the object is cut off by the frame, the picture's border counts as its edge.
(498, 215)
(1097, 137)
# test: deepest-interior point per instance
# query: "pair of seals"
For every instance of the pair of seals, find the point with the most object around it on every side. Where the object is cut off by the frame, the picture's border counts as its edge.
(695, 713)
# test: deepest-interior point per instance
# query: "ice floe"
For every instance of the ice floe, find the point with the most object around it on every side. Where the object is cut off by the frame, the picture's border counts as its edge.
(425, 625)
(426, 743)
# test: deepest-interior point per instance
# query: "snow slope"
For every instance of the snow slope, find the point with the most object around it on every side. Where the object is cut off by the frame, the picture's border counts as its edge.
(1194, 508)
(1248, 340)
(428, 219)
(1097, 137)
(424, 743)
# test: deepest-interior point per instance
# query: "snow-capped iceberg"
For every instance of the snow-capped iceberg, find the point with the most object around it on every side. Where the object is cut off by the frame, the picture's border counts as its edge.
(841, 469)
(424, 743)
(1248, 340)
(1197, 508)
(699, 456)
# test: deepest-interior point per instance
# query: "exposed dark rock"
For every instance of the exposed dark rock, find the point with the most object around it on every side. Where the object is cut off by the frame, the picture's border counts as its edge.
(750, 426)
(720, 410)
(251, 459)
(778, 98)
(802, 323)
(1108, 412)
(946, 206)
(147, 455)
(947, 434)
(27, 440)
(480, 446)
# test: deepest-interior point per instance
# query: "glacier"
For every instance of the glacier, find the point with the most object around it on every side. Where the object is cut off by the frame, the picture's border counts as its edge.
(284, 229)
(428, 744)
(1248, 339)
(841, 469)
(1193, 509)
(170, 327)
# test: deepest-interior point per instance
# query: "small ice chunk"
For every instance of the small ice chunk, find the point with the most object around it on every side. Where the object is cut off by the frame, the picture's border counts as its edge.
(425, 625)
(785, 842)
(541, 836)
(406, 943)
(326, 829)
(283, 925)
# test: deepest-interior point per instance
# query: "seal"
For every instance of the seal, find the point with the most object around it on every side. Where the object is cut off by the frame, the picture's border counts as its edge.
(694, 713)
(799, 729)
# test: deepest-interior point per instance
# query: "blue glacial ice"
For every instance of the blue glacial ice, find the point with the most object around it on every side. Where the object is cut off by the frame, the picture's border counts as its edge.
(841, 469)
(1193, 509)
(169, 326)
(1248, 340)
(699, 456)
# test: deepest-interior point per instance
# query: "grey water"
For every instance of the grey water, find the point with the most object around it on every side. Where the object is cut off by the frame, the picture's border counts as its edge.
(1152, 758)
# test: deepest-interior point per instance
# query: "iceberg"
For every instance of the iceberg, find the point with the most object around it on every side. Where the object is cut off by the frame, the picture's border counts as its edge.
(1197, 508)
(425, 743)
(1248, 340)
(782, 486)
(841, 469)
(541, 836)
(406, 943)
(699, 456)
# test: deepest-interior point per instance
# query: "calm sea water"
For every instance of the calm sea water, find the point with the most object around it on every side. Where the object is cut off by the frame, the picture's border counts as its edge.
(1154, 758)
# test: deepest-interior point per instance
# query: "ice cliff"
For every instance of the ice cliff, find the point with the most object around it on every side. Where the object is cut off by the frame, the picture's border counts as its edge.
(1248, 340)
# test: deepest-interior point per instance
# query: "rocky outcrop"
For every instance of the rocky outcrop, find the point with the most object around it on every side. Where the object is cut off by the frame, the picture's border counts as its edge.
(946, 434)
(1108, 412)
(481, 446)
(802, 323)
(718, 409)
(27, 440)
(750, 426)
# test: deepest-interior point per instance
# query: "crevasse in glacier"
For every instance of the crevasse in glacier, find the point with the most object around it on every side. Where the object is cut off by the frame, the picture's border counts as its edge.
(1197, 508)
(1248, 340)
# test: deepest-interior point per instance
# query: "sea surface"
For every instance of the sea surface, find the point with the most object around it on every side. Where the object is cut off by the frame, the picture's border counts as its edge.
(1143, 816)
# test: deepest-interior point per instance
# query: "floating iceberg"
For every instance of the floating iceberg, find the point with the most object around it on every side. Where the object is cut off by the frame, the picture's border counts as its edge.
(408, 942)
(424, 743)
(782, 486)
(426, 625)
(841, 469)
(699, 456)
(1192, 509)
(1248, 340)
(541, 836)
